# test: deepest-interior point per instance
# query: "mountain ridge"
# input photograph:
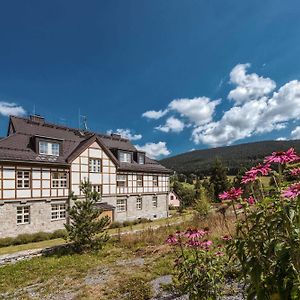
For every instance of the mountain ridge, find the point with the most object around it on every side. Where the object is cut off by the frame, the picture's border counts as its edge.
(233, 157)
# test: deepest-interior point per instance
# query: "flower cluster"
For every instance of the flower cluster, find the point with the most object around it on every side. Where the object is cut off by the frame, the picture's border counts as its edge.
(292, 191)
(283, 157)
(255, 171)
(295, 172)
(192, 238)
(232, 194)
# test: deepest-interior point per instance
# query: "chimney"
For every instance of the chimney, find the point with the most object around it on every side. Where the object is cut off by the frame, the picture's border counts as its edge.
(37, 118)
(116, 136)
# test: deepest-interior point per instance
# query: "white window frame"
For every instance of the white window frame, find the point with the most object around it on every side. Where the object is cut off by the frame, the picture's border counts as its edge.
(155, 180)
(23, 215)
(123, 181)
(97, 188)
(23, 179)
(125, 157)
(154, 201)
(141, 159)
(95, 165)
(139, 203)
(61, 181)
(58, 211)
(139, 180)
(49, 148)
(121, 205)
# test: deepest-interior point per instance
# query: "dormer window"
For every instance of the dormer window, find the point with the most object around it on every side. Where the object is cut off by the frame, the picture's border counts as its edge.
(125, 157)
(141, 158)
(49, 148)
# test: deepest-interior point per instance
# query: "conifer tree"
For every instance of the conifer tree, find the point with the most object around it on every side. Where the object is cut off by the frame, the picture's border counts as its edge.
(218, 179)
(86, 228)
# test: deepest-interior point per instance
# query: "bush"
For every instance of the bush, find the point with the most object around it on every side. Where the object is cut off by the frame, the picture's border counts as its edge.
(128, 223)
(59, 234)
(8, 241)
(136, 288)
(115, 225)
(40, 236)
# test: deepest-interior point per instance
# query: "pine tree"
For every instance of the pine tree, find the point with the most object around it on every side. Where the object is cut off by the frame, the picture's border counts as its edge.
(219, 179)
(86, 228)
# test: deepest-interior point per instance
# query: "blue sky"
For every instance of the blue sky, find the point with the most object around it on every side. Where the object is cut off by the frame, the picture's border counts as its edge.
(214, 72)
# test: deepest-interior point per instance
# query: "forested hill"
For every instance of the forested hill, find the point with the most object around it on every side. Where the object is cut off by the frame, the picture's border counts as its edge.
(233, 157)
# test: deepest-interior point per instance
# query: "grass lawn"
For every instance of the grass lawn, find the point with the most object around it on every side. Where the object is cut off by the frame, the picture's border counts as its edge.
(44, 244)
(99, 275)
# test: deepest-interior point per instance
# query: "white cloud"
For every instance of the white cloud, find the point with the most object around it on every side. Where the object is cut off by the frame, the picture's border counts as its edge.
(126, 133)
(295, 134)
(153, 114)
(7, 109)
(172, 125)
(255, 116)
(198, 110)
(154, 150)
(249, 86)
(281, 139)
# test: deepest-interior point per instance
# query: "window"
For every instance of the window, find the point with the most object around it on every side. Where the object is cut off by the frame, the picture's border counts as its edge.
(97, 188)
(48, 148)
(58, 211)
(154, 201)
(139, 180)
(172, 197)
(121, 205)
(95, 165)
(121, 180)
(125, 157)
(139, 203)
(23, 214)
(141, 158)
(23, 179)
(155, 180)
(59, 180)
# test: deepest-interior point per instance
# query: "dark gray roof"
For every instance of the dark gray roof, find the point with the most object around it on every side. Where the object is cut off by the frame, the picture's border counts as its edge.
(17, 146)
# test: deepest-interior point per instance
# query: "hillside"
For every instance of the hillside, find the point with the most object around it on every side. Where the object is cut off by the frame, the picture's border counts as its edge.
(234, 157)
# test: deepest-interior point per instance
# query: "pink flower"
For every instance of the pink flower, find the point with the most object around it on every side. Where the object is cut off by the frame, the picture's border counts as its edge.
(248, 177)
(250, 200)
(194, 243)
(295, 172)
(226, 238)
(232, 194)
(282, 157)
(172, 240)
(292, 191)
(206, 244)
(194, 233)
(262, 169)
(219, 253)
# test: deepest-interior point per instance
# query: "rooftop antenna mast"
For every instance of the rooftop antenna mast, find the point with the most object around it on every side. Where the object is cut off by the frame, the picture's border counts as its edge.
(82, 121)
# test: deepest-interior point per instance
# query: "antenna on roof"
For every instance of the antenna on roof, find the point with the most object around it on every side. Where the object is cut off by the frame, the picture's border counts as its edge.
(34, 109)
(82, 121)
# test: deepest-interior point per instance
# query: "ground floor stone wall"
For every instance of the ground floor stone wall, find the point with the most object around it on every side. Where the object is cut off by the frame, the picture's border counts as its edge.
(40, 213)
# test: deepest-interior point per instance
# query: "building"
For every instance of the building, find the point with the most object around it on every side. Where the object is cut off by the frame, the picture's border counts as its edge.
(42, 163)
(174, 200)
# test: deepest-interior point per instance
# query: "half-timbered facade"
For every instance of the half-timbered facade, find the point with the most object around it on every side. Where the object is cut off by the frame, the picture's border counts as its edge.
(42, 163)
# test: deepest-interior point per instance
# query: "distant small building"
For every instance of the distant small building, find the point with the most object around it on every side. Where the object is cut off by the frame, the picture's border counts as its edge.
(174, 199)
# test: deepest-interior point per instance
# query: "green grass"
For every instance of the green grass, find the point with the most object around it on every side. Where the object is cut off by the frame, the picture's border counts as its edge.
(50, 243)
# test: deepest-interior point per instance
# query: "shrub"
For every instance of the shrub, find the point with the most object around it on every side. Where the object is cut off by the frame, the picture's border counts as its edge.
(128, 223)
(8, 241)
(23, 239)
(136, 288)
(40, 236)
(59, 233)
(116, 225)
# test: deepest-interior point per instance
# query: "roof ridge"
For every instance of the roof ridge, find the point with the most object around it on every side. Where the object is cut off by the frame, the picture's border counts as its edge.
(63, 127)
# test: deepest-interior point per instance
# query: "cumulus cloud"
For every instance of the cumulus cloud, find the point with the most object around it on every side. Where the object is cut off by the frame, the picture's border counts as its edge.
(255, 116)
(126, 133)
(7, 109)
(153, 114)
(295, 134)
(198, 110)
(249, 86)
(172, 125)
(154, 150)
(281, 138)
